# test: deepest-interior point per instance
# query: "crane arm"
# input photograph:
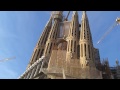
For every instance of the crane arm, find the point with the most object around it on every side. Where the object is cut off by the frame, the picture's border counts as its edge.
(116, 23)
(67, 15)
(7, 59)
(109, 30)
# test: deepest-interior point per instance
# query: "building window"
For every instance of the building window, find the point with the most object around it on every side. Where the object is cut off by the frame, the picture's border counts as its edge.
(75, 32)
(50, 47)
(74, 46)
(85, 48)
(34, 55)
(47, 48)
(42, 41)
(45, 39)
(45, 33)
(71, 44)
(41, 52)
(72, 32)
(84, 35)
(78, 51)
(78, 34)
(37, 56)
(89, 50)
(81, 35)
(87, 35)
(81, 50)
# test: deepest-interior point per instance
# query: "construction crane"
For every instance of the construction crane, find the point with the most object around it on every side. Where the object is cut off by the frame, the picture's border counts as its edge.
(6, 59)
(109, 30)
(67, 16)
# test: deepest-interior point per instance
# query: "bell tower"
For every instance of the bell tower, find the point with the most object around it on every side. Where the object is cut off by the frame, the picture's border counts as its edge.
(86, 45)
(72, 38)
(40, 47)
(51, 41)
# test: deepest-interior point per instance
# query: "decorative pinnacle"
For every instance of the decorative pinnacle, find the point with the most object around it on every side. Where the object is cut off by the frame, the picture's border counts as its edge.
(75, 12)
(84, 15)
(57, 14)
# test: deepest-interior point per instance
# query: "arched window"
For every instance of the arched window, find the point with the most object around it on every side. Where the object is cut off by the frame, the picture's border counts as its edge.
(78, 51)
(37, 54)
(85, 48)
(81, 50)
(89, 50)
(50, 47)
(75, 46)
(41, 52)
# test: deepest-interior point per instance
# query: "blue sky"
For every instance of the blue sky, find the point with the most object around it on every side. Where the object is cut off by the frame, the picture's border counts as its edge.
(20, 31)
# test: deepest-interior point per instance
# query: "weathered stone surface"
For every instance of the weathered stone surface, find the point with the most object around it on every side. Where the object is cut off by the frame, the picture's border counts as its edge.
(68, 49)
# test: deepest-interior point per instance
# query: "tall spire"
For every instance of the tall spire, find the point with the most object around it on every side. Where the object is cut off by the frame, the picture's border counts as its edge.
(57, 16)
(74, 25)
(85, 28)
(86, 45)
(84, 15)
(39, 49)
(49, 23)
(75, 13)
(72, 38)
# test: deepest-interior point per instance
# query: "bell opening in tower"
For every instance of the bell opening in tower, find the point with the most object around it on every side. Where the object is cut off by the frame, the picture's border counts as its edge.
(64, 29)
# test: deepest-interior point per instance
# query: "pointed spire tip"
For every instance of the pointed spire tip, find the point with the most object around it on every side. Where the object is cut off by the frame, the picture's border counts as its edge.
(84, 15)
(75, 12)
